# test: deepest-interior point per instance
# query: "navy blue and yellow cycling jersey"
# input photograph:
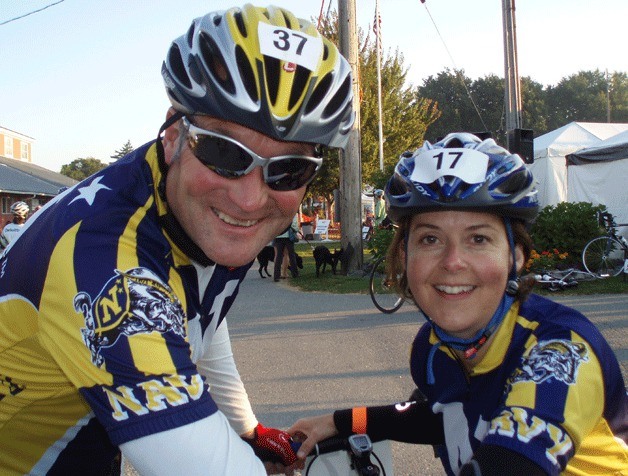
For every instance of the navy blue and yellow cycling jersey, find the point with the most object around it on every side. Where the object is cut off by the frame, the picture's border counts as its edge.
(549, 388)
(102, 316)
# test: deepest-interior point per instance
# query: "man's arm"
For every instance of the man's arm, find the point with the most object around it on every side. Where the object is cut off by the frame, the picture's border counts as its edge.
(207, 446)
(226, 387)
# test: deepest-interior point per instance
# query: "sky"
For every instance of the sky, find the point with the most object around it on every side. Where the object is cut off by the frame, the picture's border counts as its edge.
(82, 77)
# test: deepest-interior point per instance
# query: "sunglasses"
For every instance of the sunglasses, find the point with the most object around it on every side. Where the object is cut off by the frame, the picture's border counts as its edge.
(230, 159)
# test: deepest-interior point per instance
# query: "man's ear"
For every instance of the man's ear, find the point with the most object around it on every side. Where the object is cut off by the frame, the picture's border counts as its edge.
(171, 138)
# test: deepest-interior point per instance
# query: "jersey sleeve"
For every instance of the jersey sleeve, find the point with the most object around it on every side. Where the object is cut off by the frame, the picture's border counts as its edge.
(115, 322)
(408, 422)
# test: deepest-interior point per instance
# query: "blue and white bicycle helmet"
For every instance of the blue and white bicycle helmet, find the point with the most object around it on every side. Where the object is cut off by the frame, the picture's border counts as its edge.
(461, 172)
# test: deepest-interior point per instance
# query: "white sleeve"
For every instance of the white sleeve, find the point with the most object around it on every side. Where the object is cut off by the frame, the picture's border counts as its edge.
(225, 385)
(207, 446)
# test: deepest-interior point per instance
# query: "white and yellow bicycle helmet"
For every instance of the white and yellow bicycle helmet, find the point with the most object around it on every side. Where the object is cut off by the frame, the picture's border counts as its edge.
(264, 69)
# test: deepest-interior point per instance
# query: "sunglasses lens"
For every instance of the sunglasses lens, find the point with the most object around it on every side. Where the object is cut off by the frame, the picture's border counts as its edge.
(223, 157)
(230, 160)
(290, 174)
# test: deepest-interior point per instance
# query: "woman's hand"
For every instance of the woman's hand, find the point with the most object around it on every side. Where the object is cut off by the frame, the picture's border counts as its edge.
(309, 431)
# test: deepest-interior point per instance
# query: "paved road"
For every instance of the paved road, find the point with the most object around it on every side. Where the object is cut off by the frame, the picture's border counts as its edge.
(309, 353)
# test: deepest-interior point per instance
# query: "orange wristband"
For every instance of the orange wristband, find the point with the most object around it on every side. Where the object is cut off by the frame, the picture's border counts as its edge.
(358, 420)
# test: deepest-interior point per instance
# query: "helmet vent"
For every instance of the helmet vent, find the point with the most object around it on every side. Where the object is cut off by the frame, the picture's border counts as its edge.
(336, 102)
(514, 183)
(271, 66)
(211, 56)
(189, 36)
(240, 24)
(301, 77)
(287, 20)
(325, 52)
(454, 143)
(176, 66)
(319, 93)
(246, 73)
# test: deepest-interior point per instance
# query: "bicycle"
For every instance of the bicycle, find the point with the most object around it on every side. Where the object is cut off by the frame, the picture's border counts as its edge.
(560, 280)
(381, 288)
(343, 456)
(349, 456)
(606, 256)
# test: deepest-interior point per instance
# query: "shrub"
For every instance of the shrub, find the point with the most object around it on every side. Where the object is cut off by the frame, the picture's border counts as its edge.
(380, 241)
(545, 261)
(567, 227)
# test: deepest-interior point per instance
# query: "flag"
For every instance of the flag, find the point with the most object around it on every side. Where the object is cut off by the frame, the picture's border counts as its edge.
(377, 27)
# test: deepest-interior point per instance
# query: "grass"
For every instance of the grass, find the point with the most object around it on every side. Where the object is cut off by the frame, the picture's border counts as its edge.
(340, 284)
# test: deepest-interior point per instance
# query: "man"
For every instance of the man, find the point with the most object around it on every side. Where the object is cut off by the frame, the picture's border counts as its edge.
(112, 335)
(380, 207)
(13, 229)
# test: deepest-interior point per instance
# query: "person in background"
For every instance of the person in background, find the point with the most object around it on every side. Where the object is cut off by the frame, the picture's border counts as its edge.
(379, 207)
(285, 243)
(509, 382)
(13, 229)
(113, 335)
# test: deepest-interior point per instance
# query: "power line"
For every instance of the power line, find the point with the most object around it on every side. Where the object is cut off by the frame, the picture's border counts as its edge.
(30, 13)
(455, 67)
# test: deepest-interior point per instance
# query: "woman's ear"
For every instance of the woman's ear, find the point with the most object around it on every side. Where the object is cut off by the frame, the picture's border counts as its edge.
(171, 138)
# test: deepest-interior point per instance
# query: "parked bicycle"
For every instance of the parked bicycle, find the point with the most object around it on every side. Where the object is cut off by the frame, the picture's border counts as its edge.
(606, 256)
(381, 289)
(559, 280)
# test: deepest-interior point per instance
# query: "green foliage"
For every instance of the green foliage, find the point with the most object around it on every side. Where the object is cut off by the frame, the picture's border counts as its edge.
(583, 97)
(126, 149)
(80, 169)
(567, 227)
(379, 242)
(404, 122)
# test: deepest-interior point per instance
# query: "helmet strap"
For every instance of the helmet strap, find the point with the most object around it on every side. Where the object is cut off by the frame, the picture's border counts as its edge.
(471, 346)
(168, 221)
(161, 156)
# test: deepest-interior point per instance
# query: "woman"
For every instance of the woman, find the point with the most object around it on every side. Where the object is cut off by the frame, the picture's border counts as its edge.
(512, 384)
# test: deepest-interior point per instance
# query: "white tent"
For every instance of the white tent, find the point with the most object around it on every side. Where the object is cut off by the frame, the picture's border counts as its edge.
(599, 175)
(550, 151)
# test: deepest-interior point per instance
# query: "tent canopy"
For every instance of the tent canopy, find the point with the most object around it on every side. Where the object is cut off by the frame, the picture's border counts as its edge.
(550, 151)
(613, 148)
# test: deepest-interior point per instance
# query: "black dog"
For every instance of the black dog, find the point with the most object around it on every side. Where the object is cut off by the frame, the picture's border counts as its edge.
(264, 257)
(267, 255)
(324, 257)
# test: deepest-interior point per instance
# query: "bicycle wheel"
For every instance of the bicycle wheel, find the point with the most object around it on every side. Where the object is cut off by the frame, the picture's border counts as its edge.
(381, 290)
(603, 257)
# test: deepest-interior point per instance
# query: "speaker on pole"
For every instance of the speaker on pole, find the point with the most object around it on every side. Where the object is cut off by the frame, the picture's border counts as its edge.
(521, 141)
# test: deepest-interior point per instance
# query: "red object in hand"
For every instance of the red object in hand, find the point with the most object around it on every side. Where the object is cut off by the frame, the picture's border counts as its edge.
(274, 445)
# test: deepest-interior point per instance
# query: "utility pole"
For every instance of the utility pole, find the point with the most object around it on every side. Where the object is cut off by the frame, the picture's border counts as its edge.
(350, 163)
(512, 94)
(519, 141)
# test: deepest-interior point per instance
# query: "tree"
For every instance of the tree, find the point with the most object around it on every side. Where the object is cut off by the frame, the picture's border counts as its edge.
(449, 91)
(126, 148)
(534, 114)
(80, 169)
(405, 117)
(579, 97)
